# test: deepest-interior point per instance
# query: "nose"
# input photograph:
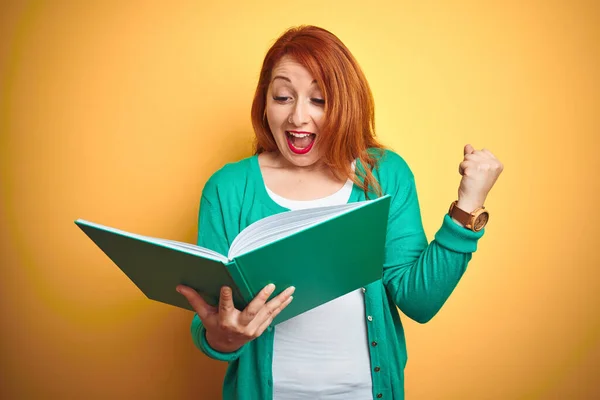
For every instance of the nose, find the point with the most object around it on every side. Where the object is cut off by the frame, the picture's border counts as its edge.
(300, 114)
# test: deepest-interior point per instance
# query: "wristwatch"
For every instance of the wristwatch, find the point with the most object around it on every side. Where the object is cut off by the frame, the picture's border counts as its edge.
(474, 221)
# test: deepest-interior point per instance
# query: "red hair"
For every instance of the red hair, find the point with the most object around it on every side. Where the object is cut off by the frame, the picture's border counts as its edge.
(349, 125)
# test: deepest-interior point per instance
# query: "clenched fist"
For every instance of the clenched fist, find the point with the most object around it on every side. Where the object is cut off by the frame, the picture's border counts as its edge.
(479, 169)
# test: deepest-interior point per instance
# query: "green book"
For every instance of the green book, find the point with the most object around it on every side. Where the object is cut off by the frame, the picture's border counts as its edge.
(324, 252)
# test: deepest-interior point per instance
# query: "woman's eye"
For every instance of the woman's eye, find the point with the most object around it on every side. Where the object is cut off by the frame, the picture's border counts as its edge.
(281, 99)
(318, 101)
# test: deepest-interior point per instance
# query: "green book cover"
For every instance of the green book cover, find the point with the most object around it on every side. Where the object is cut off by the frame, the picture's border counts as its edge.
(324, 252)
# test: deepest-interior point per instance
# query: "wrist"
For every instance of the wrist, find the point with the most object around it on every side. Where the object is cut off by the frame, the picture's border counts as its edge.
(469, 206)
(470, 215)
(457, 222)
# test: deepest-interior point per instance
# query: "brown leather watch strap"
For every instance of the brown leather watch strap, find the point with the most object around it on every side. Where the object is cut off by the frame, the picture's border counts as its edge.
(474, 221)
(461, 216)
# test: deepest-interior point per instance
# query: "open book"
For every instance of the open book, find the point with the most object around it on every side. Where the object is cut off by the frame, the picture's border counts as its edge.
(324, 252)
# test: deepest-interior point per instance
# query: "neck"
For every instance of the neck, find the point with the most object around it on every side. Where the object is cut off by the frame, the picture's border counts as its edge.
(319, 167)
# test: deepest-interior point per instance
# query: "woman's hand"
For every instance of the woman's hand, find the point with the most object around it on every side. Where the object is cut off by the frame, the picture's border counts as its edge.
(479, 169)
(228, 329)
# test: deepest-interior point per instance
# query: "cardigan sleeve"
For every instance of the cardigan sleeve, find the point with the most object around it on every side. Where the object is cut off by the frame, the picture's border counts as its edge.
(211, 235)
(420, 276)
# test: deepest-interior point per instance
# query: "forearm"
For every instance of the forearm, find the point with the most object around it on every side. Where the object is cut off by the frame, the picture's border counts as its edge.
(425, 277)
(424, 287)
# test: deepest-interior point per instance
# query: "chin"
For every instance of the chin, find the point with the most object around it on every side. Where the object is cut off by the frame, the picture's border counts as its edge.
(308, 159)
(304, 161)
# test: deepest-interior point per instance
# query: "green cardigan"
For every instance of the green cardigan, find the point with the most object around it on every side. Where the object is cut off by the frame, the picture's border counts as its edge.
(417, 277)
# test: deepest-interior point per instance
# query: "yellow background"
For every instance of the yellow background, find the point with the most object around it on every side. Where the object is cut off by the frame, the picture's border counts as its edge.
(118, 112)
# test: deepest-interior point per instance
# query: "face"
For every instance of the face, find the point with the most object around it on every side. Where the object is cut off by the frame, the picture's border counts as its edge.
(295, 109)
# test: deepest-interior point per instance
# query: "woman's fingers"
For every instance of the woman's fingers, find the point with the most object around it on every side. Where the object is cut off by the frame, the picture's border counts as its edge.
(267, 322)
(226, 306)
(247, 324)
(468, 149)
(489, 153)
(202, 308)
(226, 318)
(272, 308)
(463, 166)
(256, 304)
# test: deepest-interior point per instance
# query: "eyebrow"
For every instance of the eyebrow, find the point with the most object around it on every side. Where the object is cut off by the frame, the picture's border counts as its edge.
(285, 78)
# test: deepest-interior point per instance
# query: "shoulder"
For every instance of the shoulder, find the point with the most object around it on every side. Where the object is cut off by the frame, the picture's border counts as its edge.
(391, 166)
(231, 177)
(392, 171)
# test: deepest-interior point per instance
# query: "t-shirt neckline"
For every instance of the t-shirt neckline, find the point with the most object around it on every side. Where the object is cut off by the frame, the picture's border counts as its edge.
(269, 201)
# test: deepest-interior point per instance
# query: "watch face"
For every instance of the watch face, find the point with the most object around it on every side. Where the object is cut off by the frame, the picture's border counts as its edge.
(481, 220)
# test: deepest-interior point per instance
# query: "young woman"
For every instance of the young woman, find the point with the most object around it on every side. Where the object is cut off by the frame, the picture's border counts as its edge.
(313, 116)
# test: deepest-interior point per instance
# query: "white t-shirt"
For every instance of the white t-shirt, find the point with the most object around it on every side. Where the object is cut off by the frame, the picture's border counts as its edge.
(323, 353)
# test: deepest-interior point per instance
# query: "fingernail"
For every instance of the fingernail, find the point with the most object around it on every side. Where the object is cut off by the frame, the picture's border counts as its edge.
(290, 290)
(178, 290)
(270, 288)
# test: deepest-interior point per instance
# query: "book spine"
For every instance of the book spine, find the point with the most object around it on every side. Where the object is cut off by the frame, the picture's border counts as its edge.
(241, 283)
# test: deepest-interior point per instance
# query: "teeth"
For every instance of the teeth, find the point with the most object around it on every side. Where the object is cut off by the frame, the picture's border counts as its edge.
(299, 135)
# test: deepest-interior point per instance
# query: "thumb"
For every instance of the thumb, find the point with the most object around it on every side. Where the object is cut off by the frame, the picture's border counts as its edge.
(468, 149)
(202, 308)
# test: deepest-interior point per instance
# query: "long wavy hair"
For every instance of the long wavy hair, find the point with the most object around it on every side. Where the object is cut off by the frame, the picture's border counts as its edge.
(349, 119)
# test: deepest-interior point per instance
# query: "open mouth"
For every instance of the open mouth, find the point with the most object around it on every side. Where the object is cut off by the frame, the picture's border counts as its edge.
(300, 142)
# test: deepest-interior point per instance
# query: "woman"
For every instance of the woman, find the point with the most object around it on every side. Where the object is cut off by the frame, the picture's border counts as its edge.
(313, 115)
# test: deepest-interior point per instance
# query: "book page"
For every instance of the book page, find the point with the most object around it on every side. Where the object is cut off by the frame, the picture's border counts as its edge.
(278, 226)
(196, 249)
(265, 227)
